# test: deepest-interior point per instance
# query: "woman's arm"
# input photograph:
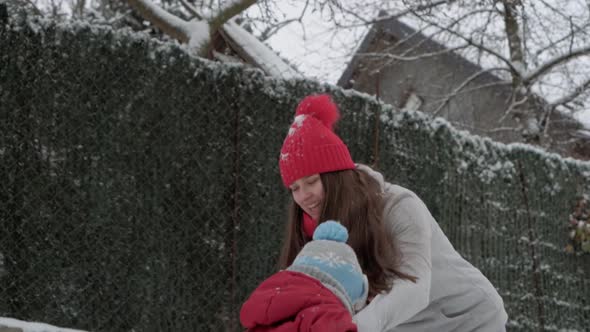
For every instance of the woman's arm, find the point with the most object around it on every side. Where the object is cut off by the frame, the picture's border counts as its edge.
(411, 223)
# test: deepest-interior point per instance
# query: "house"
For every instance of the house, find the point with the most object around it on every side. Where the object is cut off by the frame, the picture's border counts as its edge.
(435, 84)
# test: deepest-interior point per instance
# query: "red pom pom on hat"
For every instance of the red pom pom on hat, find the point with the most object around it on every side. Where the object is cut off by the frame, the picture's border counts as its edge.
(311, 146)
(320, 107)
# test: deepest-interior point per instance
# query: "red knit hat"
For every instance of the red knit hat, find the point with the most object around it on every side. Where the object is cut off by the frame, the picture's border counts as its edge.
(311, 146)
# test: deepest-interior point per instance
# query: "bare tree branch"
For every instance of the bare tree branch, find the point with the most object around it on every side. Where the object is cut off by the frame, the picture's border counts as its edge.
(274, 28)
(365, 22)
(462, 86)
(543, 69)
(513, 105)
(573, 95)
(432, 36)
(411, 58)
(470, 41)
(560, 13)
(565, 37)
(485, 86)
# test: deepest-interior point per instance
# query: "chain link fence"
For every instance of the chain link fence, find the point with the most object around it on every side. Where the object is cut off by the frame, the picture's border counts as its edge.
(139, 187)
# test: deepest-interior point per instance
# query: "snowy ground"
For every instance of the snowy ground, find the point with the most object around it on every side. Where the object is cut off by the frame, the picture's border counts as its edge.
(31, 326)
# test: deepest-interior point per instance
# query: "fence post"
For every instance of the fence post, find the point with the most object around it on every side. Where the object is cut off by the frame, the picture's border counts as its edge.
(235, 220)
(537, 281)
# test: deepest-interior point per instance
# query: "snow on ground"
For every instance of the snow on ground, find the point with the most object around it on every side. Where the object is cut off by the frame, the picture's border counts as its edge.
(32, 326)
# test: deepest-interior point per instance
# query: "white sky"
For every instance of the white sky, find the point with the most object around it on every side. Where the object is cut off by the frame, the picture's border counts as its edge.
(312, 46)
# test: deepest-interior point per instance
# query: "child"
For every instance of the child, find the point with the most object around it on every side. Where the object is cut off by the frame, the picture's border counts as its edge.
(320, 291)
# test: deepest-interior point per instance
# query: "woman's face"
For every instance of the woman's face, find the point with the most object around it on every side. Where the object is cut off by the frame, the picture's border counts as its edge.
(308, 193)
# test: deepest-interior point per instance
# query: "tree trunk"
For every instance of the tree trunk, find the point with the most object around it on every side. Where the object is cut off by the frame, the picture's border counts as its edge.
(520, 108)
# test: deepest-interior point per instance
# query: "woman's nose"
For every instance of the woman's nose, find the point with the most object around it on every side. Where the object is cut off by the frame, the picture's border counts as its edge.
(306, 193)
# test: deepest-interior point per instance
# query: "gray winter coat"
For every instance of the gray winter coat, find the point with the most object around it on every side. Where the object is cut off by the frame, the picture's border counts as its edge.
(450, 294)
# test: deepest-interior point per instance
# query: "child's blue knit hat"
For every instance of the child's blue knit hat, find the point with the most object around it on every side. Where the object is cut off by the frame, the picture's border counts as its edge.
(329, 259)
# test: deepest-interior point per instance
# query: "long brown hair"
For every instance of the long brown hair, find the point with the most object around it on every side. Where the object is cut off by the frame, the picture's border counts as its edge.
(355, 199)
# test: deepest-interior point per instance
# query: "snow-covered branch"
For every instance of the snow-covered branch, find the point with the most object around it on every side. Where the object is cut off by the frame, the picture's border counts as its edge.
(195, 33)
(231, 9)
(255, 52)
(191, 9)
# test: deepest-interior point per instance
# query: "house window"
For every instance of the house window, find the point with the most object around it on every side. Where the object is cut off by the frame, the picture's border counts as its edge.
(413, 103)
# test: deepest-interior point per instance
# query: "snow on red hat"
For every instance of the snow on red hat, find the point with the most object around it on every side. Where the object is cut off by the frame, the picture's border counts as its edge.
(311, 146)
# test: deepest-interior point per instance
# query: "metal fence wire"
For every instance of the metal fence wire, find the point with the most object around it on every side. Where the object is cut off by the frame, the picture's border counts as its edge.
(139, 187)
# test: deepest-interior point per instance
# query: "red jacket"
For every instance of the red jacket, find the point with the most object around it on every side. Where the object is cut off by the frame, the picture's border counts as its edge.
(294, 302)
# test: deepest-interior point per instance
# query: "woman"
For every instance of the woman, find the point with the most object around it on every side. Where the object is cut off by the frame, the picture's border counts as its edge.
(417, 281)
